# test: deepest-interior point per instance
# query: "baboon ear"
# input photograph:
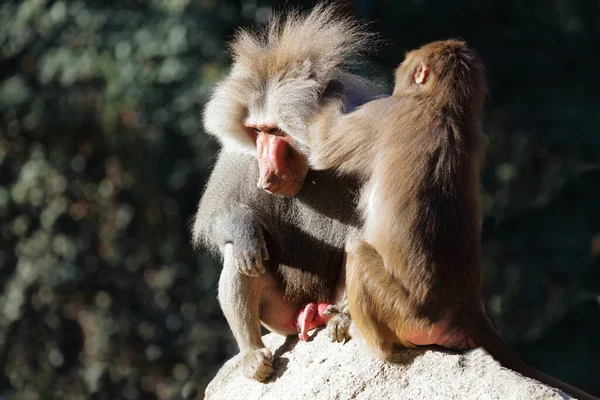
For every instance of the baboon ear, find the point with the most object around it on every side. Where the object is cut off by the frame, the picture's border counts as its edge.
(421, 74)
(334, 88)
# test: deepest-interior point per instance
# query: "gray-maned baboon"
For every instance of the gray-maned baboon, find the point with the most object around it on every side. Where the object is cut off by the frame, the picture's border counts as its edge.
(415, 278)
(279, 227)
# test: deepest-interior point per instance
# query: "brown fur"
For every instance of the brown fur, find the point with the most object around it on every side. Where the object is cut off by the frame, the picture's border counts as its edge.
(280, 72)
(417, 275)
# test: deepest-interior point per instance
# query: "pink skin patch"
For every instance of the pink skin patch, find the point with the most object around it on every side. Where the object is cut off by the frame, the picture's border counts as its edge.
(309, 317)
(443, 334)
(281, 167)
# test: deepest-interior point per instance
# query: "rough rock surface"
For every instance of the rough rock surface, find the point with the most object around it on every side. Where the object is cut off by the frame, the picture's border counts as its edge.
(319, 369)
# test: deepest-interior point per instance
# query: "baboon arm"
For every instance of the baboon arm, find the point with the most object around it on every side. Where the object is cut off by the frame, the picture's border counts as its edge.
(223, 217)
(240, 227)
(342, 141)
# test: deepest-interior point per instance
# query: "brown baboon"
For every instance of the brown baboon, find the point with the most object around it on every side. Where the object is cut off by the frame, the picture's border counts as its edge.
(415, 278)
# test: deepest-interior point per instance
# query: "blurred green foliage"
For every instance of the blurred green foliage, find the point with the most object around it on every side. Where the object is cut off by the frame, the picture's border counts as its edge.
(103, 158)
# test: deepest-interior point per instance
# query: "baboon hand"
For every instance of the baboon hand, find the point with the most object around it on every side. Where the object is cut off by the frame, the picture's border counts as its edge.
(250, 259)
(338, 326)
(258, 364)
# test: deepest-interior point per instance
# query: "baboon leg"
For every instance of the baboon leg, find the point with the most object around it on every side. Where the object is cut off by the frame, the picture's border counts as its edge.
(243, 299)
(366, 281)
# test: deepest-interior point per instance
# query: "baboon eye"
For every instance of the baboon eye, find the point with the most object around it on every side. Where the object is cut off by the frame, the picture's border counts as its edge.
(275, 131)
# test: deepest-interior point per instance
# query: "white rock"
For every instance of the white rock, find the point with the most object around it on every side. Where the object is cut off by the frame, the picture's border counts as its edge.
(322, 370)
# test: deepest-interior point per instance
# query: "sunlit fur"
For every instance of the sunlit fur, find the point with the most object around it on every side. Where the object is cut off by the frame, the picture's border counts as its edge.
(279, 73)
(278, 76)
(419, 152)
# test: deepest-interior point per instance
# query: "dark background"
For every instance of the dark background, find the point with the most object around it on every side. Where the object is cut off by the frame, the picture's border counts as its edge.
(103, 159)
